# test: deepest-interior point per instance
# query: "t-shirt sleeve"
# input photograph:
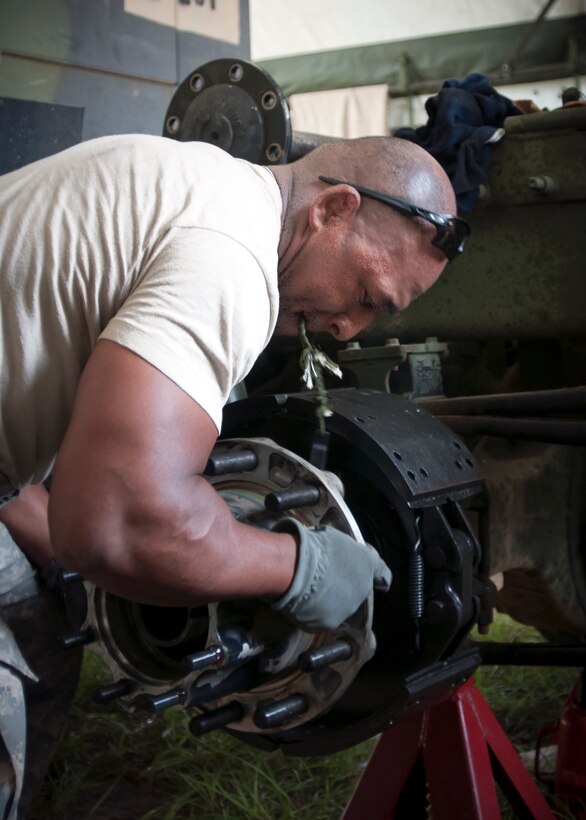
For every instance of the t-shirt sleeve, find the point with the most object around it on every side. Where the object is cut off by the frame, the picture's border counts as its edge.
(200, 313)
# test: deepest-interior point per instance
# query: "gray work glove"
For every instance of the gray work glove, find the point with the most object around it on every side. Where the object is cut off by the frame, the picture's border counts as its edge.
(333, 576)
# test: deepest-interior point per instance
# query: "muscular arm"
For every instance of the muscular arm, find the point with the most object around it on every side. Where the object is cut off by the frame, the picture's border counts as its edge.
(25, 518)
(128, 507)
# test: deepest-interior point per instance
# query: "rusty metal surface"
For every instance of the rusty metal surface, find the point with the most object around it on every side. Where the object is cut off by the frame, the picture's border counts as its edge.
(535, 530)
(523, 272)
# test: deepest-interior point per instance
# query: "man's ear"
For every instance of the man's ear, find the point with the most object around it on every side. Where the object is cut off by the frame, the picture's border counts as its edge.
(338, 202)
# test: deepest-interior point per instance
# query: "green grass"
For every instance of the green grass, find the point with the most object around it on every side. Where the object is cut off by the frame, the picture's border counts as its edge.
(112, 767)
(523, 698)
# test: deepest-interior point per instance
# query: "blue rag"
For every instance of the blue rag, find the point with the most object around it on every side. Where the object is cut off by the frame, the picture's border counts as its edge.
(463, 116)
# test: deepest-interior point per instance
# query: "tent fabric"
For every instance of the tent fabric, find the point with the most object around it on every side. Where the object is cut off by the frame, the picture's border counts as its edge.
(463, 120)
(280, 28)
(345, 112)
(430, 59)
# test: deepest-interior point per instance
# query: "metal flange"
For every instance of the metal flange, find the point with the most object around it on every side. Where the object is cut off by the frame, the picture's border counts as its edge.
(237, 663)
(235, 105)
(405, 476)
(241, 666)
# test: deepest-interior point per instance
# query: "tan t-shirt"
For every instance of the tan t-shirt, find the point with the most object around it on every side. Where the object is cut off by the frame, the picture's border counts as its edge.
(167, 248)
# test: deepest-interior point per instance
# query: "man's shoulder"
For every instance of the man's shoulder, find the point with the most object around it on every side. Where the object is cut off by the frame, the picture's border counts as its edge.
(137, 145)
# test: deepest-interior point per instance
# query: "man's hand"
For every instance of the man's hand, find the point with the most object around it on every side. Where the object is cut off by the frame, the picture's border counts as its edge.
(333, 576)
(25, 518)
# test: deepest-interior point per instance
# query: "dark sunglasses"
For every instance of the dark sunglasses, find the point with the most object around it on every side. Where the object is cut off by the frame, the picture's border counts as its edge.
(451, 232)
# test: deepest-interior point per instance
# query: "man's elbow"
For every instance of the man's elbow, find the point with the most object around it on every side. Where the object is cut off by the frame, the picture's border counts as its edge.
(93, 548)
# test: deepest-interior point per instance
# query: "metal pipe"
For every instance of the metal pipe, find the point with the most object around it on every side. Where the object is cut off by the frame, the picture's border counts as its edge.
(550, 71)
(531, 654)
(302, 143)
(528, 34)
(535, 403)
(553, 431)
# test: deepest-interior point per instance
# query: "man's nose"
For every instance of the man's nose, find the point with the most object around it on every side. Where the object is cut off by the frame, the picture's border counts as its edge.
(344, 327)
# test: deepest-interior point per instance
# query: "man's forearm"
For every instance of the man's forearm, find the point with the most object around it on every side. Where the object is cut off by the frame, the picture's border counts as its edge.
(182, 549)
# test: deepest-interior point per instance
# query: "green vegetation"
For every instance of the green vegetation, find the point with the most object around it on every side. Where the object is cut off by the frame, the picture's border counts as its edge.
(524, 698)
(112, 767)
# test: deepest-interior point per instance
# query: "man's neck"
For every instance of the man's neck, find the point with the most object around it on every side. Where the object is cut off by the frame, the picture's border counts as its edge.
(284, 177)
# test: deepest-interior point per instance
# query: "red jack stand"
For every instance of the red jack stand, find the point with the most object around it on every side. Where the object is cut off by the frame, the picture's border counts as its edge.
(569, 735)
(570, 779)
(447, 757)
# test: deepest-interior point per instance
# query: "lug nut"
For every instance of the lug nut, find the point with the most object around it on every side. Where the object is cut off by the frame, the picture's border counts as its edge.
(68, 577)
(172, 698)
(74, 639)
(325, 656)
(276, 712)
(113, 690)
(234, 462)
(302, 495)
(211, 656)
(216, 719)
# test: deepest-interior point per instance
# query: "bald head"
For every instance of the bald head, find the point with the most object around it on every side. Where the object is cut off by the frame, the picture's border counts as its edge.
(343, 257)
(388, 164)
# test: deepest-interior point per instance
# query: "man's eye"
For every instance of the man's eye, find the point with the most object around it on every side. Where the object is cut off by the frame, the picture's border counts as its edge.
(367, 302)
